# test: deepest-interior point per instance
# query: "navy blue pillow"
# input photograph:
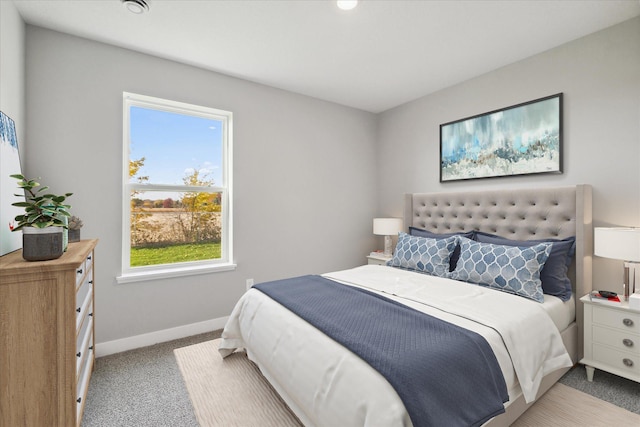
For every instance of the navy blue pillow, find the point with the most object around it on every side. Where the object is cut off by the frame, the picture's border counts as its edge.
(453, 261)
(554, 274)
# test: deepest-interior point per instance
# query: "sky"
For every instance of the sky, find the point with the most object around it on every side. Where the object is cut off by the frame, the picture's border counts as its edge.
(173, 145)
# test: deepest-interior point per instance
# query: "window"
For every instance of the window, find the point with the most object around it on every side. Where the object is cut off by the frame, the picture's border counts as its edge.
(176, 189)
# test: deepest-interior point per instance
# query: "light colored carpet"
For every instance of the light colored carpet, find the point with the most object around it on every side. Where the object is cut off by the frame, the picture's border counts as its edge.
(234, 393)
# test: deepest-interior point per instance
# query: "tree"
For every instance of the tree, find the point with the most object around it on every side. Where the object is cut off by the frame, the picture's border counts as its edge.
(134, 168)
(200, 220)
(137, 205)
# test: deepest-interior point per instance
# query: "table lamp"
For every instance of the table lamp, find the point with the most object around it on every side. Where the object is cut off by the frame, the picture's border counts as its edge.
(620, 243)
(387, 227)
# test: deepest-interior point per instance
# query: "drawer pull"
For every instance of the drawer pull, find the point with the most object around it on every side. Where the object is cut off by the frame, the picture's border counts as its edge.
(79, 271)
(627, 322)
(91, 282)
(79, 309)
(89, 257)
(79, 400)
(78, 354)
(627, 362)
(90, 314)
(627, 342)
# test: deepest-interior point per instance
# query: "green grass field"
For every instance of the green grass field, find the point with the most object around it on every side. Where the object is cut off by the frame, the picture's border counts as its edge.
(175, 253)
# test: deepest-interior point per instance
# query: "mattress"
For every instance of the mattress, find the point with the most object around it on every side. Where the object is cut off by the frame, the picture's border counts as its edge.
(561, 313)
(325, 384)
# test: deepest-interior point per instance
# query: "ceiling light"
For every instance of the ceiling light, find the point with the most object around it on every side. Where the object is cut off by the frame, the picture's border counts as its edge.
(136, 6)
(347, 4)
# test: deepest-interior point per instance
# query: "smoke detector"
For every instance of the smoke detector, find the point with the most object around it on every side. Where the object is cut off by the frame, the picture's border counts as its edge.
(136, 6)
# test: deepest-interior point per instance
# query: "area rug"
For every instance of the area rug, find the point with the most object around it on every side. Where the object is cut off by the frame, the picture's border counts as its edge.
(230, 392)
(234, 393)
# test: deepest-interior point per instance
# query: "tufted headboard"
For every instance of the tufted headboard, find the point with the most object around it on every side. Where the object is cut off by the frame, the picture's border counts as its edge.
(515, 214)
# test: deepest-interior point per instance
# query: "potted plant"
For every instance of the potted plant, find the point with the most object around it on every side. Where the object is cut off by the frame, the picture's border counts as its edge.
(43, 221)
(75, 224)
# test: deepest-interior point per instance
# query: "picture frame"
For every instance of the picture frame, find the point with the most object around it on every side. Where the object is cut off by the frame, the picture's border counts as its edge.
(522, 139)
(9, 165)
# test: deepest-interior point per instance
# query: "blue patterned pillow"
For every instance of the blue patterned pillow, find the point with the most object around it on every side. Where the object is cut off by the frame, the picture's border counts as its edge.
(554, 274)
(512, 269)
(456, 252)
(423, 254)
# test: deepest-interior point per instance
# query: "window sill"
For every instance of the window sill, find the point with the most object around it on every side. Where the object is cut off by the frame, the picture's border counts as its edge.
(168, 273)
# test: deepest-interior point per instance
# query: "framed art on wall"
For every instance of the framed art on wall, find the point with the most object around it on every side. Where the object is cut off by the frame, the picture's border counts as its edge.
(522, 139)
(9, 165)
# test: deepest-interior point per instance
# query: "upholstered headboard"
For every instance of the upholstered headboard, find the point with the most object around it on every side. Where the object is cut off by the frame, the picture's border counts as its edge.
(518, 214)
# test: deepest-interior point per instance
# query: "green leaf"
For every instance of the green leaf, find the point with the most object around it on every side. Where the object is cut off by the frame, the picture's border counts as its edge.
(42, 209)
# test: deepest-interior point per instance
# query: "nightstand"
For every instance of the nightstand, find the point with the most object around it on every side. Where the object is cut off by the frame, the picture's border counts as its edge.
(377, 259)
(611, 339)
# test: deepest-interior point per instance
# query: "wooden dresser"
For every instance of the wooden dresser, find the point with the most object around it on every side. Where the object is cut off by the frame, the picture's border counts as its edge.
(46, 337)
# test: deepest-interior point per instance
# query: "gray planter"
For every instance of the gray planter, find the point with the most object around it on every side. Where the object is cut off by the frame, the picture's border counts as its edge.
(42, 244)
(74, 235)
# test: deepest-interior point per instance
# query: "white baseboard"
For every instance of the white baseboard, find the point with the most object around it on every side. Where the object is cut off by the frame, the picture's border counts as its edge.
(151, 338)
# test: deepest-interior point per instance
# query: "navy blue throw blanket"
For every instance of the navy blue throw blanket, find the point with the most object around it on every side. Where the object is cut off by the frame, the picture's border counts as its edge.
(445, 375)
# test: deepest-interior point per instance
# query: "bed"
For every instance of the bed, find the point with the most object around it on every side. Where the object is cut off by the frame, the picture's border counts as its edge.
(325, 383)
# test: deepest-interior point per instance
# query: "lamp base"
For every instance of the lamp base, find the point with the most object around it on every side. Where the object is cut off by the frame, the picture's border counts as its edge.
(387, 246)
(630, 270)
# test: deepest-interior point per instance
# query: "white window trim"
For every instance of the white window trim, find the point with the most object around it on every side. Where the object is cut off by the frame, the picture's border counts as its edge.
(225, 263)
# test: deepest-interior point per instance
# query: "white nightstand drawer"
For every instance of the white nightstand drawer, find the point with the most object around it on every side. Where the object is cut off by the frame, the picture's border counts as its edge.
(623, 320)
(377, 260)
(622, 360)
(619, 339)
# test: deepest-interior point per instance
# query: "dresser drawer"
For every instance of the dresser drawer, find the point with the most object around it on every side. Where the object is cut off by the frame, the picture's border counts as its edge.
(83, 269)
(80, 274)
(84, 297)
(89, 261)
(617, 338)
(82, 385)
(84, 340)
(622, 360)
(624, 321)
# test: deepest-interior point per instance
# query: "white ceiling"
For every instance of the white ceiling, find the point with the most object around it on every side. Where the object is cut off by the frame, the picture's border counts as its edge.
(375, 57)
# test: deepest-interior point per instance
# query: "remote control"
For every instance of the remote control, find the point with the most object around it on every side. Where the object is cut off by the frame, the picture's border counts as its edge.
(607, 294)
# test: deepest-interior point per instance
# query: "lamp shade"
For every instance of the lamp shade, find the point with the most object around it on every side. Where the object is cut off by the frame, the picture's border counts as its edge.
(617, 243)
(387, 226)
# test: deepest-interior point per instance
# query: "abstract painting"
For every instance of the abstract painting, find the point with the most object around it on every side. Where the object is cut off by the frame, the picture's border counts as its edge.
(519, 140)
(9, 165)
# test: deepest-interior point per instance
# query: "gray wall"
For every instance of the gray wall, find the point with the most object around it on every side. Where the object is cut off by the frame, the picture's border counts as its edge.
(600, 78)
(303, 175)
(12, 34)
(308, 174)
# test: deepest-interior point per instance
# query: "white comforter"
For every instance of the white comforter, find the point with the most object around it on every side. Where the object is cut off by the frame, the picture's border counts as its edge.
(325, 384)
